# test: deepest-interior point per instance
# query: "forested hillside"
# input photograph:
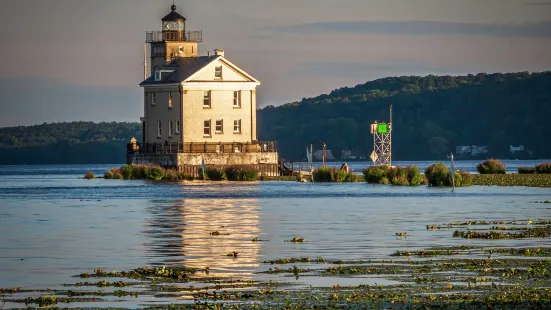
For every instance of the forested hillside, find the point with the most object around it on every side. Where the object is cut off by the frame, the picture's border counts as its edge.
(67, 143)
(432, 115)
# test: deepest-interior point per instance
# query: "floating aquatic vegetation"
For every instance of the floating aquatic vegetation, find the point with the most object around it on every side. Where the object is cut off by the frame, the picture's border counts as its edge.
(401, 234)
(530, 180)
(100, 284)
(437, 227)
(528, 233)
(176, 273)
(292, 260)
(296, 240)
(232, 254)
(425, 253)
(295, 270)
(539, 251)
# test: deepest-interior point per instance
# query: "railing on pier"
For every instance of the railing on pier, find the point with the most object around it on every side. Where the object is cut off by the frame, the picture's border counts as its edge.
(179, 147)
(161, 36)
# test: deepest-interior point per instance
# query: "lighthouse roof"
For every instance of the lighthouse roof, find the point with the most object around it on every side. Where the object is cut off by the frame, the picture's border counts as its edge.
(173, 16)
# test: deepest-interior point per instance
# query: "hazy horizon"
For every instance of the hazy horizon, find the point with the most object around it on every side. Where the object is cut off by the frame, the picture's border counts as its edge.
(77, 60)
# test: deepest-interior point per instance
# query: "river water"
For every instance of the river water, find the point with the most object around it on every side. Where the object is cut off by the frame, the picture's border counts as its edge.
(54, 224)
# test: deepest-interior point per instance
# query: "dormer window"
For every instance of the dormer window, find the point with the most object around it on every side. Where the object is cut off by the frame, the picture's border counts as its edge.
(160, 72)
(218, 72)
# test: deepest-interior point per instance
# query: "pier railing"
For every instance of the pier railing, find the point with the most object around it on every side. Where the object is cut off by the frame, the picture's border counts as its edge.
(208, 147)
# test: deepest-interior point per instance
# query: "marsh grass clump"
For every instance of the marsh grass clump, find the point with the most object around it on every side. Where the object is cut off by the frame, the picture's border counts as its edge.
(328, 174)
(438, 175)
(185, 177)
(171, 176)
(491, 166)
(139, 172)
(408, 176)
(155, 173)
(113, 174)
(377, 175)
(241, 173)
(214, 174)
(526, 170)
(466, 178)
(323, 174)
(544, 168)
(89, 175)
(126, 172)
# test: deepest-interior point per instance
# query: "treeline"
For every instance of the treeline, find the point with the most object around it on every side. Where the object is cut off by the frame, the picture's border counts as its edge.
(67, 143)
(432, 115)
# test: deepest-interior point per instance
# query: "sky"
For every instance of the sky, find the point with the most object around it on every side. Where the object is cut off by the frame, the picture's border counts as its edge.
(69, 60)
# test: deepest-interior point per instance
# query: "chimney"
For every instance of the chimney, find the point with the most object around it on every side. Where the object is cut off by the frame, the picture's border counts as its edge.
(219, 52)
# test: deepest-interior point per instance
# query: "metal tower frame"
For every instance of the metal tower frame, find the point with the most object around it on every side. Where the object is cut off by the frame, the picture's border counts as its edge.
(382, 143)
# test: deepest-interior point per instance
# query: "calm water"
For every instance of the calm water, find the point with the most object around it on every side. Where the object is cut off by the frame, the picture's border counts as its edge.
(54, 224)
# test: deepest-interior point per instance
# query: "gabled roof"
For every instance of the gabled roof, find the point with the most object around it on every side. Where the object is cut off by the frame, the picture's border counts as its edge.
(185, 68)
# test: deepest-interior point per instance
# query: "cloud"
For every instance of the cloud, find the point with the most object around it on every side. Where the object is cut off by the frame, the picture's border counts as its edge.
(363, 70)
(539, 29)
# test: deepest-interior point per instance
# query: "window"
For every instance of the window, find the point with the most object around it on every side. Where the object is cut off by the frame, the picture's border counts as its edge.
(237, 99)
(170, 100)
(158, 51)
(170, 128)
(218, 72)
(237, 126)
(159, 129)
(182, 49)
(219, 126)
(153, 99)
(206, 99)
(157, 75)
(206, 128)
(177, 127)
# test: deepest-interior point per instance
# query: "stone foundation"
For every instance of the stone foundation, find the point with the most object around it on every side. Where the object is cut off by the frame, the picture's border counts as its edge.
(190, 163)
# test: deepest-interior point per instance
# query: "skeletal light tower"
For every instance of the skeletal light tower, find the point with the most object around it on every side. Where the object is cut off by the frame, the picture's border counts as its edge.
(382, 142)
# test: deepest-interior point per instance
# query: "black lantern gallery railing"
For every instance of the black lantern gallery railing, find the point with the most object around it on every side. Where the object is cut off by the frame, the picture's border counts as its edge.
(161, 36)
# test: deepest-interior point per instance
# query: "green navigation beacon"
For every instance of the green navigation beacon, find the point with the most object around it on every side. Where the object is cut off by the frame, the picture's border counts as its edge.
(382, 128)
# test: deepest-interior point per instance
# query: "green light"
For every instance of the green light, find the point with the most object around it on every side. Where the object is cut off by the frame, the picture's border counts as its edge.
(382, 128)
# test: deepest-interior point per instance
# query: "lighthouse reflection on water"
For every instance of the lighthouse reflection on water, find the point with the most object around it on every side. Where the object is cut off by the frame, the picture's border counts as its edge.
(179, 234)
